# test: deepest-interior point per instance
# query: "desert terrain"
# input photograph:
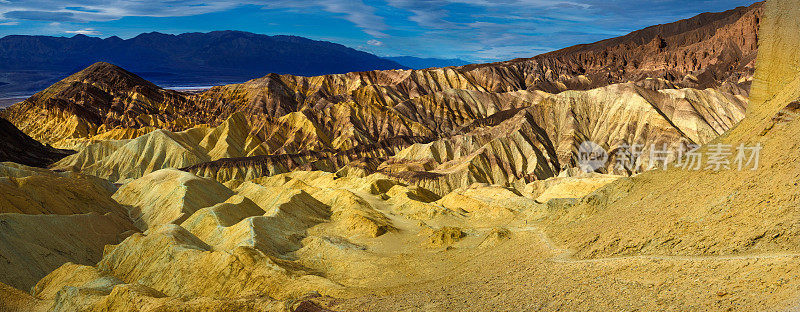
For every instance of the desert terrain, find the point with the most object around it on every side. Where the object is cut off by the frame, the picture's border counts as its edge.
(442, 189)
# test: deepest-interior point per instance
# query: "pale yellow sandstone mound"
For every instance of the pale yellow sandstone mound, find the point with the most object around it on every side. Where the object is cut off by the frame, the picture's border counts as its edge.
(34, 245)
(124, 160)
(132, 159)
(169, 196)
(352, 215)
(83, 288)
(36, 195)
(118, 134)
(285, 216)
(51, 218)
(417, 203)
(149, 259)
(68, 274)
(36, 191)
(207, 223)
(444, 237)
(567, 187)
(88, 155)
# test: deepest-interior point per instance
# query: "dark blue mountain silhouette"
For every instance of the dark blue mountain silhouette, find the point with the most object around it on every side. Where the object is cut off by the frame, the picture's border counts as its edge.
(29, 63)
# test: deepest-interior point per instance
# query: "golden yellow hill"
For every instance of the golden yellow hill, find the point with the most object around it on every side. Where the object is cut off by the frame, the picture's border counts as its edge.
(491, 217)
(48, 219)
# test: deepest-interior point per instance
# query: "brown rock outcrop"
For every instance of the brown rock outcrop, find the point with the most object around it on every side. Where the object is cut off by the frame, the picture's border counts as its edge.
(705, 51)
(96, 99)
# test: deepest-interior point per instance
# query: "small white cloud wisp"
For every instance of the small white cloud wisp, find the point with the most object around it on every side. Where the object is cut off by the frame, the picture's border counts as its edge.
(85, 31)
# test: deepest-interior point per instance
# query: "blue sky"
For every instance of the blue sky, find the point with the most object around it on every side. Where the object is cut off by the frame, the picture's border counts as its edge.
(474, 30)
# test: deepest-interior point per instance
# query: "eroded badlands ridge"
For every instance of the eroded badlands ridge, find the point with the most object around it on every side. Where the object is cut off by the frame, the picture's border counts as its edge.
(508, 138)
(402, 225)
(451, 126)
(713, 50)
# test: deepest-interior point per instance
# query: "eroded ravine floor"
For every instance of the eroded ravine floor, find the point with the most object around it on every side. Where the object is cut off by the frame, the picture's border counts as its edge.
(526, 273)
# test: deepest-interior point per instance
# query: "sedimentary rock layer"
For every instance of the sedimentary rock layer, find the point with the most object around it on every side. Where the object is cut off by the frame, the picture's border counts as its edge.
(724, 212)
(126, 127)
(364, 238)
(530, 136)
(711, 50)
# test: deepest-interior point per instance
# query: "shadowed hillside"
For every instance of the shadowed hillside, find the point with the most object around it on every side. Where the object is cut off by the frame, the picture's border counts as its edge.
(20, 148)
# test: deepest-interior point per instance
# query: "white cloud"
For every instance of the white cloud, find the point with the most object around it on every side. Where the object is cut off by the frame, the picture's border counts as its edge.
(355, 11)
(9, 23)
(85, 31)
(508, 52)
(477, 29)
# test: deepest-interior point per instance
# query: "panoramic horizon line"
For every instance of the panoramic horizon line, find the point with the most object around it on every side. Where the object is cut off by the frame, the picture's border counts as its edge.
(231, 31)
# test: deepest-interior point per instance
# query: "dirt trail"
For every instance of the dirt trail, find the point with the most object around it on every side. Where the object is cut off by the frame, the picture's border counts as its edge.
(530, 272)
(566, 255)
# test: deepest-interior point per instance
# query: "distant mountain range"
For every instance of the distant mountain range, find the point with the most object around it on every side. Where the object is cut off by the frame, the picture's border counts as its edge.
(31, 63)
(423, 63)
